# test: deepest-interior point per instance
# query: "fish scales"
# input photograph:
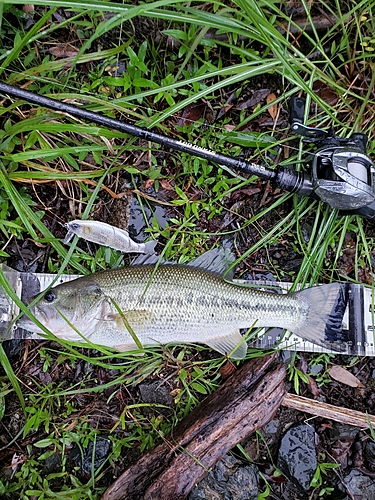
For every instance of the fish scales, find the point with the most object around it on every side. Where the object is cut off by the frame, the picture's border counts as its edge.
(206, 297)
(172, 303)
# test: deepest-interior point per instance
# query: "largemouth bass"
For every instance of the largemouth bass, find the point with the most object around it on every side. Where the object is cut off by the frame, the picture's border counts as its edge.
(107, 235)
(177, 304)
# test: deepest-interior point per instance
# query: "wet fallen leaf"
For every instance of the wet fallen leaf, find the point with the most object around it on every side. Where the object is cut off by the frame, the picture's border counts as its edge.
(303, 364)
(71, 426)
(166, 185)
(344, 376)
(191, 113)
(102, 376)
(148, 184)
(326, 426)
(227, 369)
(63, 51)
(273, 108)
(224, 110)
(257, 97)
(313, 386)
(265, 198)
(29, 9)
(176, 391)
(327, 94)
(248, 192)
(229, 127)
(341, 449)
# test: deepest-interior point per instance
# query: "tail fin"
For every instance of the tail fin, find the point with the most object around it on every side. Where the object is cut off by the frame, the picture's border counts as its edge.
(150, 246)
(325, 311)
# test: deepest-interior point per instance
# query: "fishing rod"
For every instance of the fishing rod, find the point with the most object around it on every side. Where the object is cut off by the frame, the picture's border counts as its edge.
(341, 173)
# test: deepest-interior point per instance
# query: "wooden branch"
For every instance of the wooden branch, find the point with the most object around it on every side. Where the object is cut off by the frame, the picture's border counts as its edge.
(245, 402)
(325, 410)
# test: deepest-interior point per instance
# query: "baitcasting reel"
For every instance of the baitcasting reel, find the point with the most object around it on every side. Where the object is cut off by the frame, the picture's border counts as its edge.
(342, 175)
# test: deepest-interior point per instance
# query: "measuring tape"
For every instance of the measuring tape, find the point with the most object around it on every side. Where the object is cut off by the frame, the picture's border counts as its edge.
(358, 321)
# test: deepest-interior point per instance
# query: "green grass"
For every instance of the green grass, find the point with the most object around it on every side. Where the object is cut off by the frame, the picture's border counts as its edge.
(334, 69)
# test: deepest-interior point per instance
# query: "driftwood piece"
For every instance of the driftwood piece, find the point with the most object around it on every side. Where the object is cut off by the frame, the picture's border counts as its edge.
(331, 412)
(244, 403)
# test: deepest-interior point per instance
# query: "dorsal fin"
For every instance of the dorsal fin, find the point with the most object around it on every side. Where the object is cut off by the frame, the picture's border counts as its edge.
(217, 260)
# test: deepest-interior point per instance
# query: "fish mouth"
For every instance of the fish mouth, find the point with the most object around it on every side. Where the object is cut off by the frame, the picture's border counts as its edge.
(28, 324)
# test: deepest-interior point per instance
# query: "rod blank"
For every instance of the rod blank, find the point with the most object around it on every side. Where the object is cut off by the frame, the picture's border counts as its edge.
(142, 133)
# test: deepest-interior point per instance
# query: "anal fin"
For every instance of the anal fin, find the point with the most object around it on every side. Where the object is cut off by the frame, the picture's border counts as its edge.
(232, 345)
(128, 347)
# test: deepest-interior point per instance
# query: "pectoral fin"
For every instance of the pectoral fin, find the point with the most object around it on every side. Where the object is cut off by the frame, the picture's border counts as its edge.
(227, 343)
(137, 319)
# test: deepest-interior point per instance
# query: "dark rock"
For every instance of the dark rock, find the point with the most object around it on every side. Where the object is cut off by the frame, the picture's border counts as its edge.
(262, 277)
(230, 479)
(344, 432)
(272, 433)
(137, 219)
(292, 265)
(93, 455)
(156, 392)
(52, 464)
(369, 455)
(272, 427)
(291, 491)
(358, 486)
(341, 451)
(20, 265)
(297, 455)
(13, 347)
(315, 369)
(306, 232)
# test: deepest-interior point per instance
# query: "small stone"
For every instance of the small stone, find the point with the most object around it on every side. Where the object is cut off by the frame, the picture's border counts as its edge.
(93, 456)
(14, 347)
(272, 427)
(369, 455)
(229, 479)
(156, 392)
(52, 464)
(315, 369)
(357, 485)
(344, 432)
(297, 455)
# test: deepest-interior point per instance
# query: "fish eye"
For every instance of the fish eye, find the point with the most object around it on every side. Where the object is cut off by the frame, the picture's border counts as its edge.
(74, 226)
(49, 296)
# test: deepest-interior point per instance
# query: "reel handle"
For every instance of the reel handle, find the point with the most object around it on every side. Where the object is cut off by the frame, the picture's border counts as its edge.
(296, 107)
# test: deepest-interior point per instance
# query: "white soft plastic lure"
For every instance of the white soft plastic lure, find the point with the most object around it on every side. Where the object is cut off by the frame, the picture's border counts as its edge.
(107, 235)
